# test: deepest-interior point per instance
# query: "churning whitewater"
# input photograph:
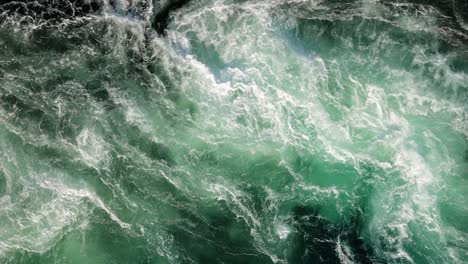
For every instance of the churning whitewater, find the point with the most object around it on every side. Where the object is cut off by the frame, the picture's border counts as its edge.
(234, 131)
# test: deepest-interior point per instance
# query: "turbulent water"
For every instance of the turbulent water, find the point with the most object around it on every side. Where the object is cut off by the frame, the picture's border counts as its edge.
(274, 131)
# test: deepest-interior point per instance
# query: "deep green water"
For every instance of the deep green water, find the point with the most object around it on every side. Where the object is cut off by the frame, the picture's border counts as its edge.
(251, 132)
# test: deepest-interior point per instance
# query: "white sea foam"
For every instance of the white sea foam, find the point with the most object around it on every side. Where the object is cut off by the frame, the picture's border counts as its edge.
(263, 91)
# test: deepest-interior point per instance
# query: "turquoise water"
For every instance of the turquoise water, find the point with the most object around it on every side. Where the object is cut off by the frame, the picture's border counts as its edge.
(282, 131)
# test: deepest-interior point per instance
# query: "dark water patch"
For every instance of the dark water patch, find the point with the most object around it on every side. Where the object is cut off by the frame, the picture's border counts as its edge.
(3, 183)
(218, 237)
(316, 238)
(256, 168)
(11, 103)
(69, 127)
(97, 90)
(53, 11)
(257, 197)
(121, 165)
(450, 8)
(451, 16)
(457, 62)
(139, 139)
(51, 39)
(154, 150)
(446, 6)
(362, 252)
(25, 114)
(51, 156)
(96, 63)
(144, 182)
(461, 12)
(45, 88)
(9, 66)
(12, 43)
(162, 16)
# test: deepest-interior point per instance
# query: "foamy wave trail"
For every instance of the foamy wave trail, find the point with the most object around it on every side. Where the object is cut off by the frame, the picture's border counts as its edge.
(229, 131)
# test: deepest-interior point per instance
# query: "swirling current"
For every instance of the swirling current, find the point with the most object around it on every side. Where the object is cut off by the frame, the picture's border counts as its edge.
(234, 131)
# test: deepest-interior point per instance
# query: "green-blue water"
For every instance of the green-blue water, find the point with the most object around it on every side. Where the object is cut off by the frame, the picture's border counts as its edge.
(281, 131)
